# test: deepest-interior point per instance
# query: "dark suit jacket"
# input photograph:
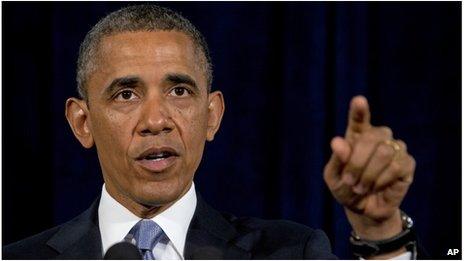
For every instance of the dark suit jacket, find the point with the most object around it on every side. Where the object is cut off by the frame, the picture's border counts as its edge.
(211, 235)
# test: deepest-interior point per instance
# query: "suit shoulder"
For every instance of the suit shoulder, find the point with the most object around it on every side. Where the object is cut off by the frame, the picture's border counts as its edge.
(54, 241)
(284, 238)
(33, 247)
(285, 228)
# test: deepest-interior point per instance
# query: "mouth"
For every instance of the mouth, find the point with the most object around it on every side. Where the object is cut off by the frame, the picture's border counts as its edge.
(157, 159)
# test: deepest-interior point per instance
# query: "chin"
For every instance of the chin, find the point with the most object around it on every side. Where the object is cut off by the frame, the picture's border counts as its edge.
(158, 194)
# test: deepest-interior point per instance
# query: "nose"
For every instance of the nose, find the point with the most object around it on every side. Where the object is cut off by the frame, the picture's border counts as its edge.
(155, 117)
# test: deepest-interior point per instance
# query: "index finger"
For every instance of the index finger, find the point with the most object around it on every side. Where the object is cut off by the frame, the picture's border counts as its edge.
(359, 117)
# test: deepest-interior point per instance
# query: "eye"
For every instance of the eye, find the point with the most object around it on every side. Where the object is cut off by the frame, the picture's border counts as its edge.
(125, 95)
(180, 92)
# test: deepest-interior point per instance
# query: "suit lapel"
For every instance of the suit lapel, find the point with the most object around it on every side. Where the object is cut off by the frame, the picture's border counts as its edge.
(79, 238)
(211, 236)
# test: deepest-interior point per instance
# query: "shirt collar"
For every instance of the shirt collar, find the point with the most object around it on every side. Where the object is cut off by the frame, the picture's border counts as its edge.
(115, 221)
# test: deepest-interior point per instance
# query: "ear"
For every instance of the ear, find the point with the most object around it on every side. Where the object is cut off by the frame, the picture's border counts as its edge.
(77, 114)
(215, 112)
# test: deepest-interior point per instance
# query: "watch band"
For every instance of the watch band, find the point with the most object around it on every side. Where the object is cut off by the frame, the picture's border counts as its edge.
(366, 248)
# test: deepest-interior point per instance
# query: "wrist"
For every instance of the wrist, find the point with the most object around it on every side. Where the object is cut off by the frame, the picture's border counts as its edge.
(371, 229)
(387, 247)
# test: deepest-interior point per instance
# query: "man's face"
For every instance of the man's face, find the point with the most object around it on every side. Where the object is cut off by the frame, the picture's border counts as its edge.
(149, 114)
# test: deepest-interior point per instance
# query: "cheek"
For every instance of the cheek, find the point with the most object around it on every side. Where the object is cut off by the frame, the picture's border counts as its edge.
(192, 123)
(112, 132)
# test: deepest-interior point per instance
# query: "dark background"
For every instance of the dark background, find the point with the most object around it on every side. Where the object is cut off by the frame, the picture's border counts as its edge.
(288, 72)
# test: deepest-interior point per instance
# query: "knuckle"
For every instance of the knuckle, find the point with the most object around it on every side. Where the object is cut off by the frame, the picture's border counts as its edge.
(386, 131)
(395, 167)
(402, 144)
(412, 164)
(408, 179)
(382, 181)
(355, 166)
(385, 152)
(326, 170)
(326, 176)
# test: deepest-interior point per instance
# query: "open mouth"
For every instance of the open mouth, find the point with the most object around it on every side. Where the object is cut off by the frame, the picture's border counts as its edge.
(159, 156)
(157, 160)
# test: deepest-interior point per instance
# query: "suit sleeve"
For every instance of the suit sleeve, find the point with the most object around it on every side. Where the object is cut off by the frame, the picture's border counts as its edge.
(318, 246)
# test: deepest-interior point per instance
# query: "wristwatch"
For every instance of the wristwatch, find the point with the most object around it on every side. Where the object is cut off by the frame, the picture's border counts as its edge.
(367, 248)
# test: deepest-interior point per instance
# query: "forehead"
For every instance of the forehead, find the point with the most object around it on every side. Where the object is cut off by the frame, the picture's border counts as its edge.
(153, 43)
(158, 52)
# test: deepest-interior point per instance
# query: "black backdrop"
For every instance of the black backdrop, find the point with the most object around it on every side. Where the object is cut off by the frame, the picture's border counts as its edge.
(288, 71)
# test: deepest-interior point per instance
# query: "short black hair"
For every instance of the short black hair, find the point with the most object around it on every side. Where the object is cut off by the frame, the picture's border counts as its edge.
(132, 19)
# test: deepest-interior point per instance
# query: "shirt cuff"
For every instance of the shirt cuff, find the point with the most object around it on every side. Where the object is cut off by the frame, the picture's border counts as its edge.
(404, 256)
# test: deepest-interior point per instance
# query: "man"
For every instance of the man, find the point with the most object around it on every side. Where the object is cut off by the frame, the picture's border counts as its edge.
(144, 76)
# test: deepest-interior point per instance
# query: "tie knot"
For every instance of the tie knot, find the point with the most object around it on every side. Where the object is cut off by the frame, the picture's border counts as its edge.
(146, 234)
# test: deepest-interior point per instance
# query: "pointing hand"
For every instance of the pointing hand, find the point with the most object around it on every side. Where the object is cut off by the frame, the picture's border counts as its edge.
(369, 173)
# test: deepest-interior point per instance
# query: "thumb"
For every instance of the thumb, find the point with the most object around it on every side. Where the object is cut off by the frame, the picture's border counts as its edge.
(341, 151)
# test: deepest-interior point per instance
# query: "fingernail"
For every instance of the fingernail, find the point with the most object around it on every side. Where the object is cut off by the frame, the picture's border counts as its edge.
(348, 179)
(359, 189)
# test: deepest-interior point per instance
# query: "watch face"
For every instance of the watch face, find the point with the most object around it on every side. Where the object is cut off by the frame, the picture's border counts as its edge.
(407, 221)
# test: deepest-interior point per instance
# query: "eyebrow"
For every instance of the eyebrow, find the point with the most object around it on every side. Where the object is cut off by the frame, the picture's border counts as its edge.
(178, 78)
(122, 82)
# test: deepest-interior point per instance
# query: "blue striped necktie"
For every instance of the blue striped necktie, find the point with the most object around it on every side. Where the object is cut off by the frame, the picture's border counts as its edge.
(145, 235)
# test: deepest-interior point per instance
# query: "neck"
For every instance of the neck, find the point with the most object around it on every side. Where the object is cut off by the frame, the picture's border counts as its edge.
(142, 210)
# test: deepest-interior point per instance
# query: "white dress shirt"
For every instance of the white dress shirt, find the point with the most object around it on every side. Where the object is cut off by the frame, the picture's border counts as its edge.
(115, 221)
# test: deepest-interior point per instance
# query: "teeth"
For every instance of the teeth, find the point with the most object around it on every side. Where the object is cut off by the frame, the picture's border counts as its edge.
(158, 156)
